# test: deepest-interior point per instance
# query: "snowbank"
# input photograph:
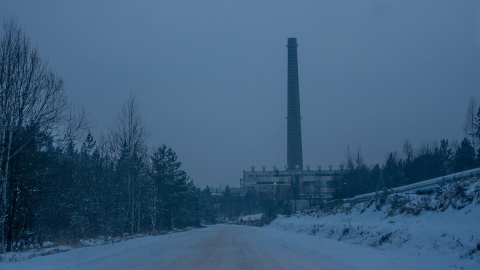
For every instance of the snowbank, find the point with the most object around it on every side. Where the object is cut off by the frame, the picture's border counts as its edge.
(443, 224)
(255, 217)
(49, 248)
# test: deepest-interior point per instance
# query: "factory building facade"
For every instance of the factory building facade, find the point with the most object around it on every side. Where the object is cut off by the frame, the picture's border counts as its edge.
(318, 184)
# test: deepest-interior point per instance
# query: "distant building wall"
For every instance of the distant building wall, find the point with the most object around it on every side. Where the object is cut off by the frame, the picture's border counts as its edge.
(320, 183)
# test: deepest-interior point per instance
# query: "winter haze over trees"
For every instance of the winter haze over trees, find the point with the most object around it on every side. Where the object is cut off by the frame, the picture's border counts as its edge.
(211, 81)
(62, 181)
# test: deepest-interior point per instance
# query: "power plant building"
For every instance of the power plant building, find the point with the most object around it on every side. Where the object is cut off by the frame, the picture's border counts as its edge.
(294, 182)
(311, 183)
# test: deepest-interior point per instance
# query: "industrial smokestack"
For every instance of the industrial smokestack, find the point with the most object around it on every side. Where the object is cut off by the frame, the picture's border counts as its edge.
(294, 127)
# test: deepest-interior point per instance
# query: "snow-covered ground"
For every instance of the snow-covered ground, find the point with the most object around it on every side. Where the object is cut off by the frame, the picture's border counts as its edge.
(247, 218)
(443, 228)
(239, 247)
(49, 248)
(441, 231)
(214, 247)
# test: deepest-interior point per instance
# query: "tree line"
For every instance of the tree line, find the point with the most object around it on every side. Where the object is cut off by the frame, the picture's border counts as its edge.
(414, 165)
(58, 183)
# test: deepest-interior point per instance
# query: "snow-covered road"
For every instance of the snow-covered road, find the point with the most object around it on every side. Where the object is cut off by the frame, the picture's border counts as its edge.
(237, 247)
(215, 247)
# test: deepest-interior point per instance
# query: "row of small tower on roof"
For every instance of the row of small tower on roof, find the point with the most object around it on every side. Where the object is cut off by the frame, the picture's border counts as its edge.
(297, 168)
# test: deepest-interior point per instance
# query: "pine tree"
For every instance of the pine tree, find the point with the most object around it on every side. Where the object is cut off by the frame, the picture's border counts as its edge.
(170, 181)
(393, 174)
(464, 156)
(445, 156)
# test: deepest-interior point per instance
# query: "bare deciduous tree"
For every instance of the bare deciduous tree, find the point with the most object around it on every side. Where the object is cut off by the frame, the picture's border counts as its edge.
(30, 94)
(129, 134)
(470, 126)
(129, 128)
(75, 126)
(408, 151)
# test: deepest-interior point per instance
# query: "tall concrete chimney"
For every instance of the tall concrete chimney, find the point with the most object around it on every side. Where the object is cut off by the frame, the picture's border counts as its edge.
(294, 127)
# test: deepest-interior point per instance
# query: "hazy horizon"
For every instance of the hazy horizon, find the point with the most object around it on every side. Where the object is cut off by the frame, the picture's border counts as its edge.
(211, 77)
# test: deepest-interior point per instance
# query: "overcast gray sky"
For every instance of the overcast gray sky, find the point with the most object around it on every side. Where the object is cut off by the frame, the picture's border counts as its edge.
(211, 76)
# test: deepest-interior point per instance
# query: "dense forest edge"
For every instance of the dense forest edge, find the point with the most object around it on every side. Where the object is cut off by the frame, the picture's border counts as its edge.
(60, 184)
